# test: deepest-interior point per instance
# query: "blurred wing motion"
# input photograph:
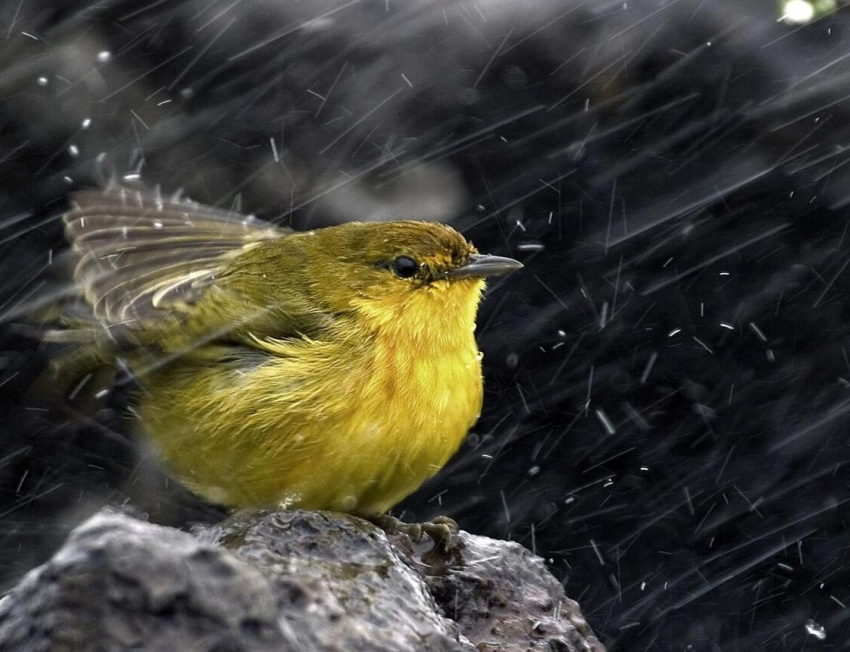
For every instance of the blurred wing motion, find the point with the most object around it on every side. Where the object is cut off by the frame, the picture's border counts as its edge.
(142, 257)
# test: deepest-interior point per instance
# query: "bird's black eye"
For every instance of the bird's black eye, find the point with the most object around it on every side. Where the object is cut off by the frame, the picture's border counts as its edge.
(405, 266)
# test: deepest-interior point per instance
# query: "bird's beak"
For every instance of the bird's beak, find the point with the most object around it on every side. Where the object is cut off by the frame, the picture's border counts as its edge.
(481, 265)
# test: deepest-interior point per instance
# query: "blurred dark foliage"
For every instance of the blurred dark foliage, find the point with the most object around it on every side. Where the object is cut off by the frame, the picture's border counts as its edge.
(668, 382)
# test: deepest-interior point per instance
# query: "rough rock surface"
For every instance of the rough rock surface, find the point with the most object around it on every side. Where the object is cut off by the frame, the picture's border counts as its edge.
(281, 581)
(503, 597)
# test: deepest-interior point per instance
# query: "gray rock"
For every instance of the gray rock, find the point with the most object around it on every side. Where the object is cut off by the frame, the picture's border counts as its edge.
(122, 584)
(503, 598)
(281, 581)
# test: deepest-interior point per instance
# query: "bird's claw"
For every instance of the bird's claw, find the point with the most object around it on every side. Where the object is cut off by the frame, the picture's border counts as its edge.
(440, 530)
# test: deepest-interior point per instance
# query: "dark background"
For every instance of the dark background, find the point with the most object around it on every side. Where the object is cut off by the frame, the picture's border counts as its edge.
(668, 381)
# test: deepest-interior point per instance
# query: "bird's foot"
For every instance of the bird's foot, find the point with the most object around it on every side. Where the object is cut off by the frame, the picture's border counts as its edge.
(440, 530)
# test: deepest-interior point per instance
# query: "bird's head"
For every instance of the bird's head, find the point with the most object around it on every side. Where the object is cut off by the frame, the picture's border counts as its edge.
(402, 272)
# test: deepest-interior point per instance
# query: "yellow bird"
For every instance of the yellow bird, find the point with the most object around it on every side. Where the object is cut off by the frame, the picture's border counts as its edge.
(329, 369)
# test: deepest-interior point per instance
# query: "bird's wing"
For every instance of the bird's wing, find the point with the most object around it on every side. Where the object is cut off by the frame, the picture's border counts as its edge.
(142, 257)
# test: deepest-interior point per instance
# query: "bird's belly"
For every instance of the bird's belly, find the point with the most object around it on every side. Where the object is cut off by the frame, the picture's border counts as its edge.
(359, 445)
(401, 432)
